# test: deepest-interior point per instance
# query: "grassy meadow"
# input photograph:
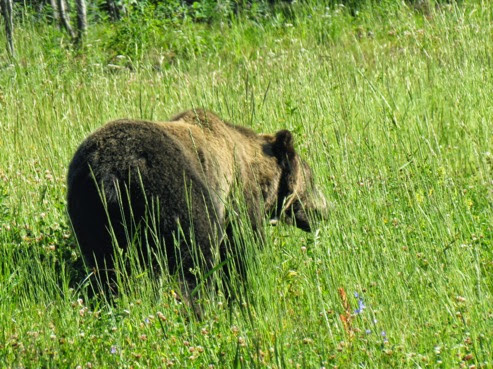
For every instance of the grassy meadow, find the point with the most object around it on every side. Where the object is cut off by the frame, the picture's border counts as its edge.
(392, 107)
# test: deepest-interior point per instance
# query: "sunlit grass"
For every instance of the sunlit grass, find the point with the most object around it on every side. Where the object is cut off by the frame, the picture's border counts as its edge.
(393, 111)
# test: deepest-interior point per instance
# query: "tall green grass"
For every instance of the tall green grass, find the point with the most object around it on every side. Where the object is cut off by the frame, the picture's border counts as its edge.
(391, 108)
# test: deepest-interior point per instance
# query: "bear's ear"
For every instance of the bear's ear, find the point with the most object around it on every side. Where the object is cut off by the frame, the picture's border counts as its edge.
(283, 146)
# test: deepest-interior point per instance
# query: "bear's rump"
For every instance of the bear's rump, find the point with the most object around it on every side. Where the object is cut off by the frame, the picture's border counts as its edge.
(144, 175)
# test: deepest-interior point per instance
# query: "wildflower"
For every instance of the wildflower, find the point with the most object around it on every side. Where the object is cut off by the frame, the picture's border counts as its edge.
(83, 311)
(361, 304)
(113, 350)
(361, 307)
(241, 342)
(34, 334)
(49, 176)
(384, 335)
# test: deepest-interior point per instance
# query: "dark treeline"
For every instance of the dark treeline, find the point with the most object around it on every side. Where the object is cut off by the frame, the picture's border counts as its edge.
(72, 15)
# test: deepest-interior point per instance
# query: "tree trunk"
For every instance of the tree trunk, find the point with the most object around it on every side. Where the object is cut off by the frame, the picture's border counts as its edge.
(113, 10)
(9, 26)
(81, 20)
(64, 19)
(54, 6)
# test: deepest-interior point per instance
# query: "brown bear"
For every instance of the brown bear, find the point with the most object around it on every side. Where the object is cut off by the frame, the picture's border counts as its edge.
(187, 170)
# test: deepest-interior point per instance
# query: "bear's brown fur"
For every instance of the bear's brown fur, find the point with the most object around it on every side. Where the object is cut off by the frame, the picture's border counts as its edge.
(188, 168)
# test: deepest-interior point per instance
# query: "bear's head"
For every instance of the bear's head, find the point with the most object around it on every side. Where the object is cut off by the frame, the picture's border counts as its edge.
(299, 201)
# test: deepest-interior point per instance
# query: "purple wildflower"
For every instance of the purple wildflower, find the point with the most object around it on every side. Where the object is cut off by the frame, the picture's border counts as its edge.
(113, 350)
(384, 335)
(361, 304)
